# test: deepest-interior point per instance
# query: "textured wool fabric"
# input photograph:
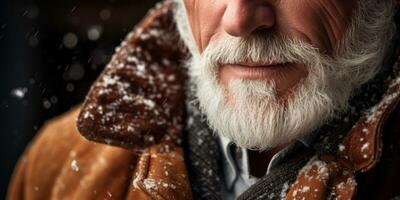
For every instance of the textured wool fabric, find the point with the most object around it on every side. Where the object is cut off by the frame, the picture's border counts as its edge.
(202, 152)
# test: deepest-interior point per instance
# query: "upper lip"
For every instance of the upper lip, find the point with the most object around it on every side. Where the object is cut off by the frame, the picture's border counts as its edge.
(258, 64)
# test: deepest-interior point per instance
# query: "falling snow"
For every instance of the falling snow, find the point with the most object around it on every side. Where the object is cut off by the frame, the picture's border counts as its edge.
(70, 40)
(19, 92)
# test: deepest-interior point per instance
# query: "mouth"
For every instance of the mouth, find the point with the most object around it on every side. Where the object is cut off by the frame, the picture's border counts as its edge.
(251, 71)
(258, 64)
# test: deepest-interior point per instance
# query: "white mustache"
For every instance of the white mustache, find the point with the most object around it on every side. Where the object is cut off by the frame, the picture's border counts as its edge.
(261, 49)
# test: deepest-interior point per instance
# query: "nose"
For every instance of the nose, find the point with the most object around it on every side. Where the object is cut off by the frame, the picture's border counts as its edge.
(243, 17)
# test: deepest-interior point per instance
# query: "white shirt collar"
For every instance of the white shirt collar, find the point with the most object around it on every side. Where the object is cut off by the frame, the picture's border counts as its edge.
(240, 172)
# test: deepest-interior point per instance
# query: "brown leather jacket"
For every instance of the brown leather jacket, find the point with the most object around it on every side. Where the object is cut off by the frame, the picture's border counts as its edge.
(137, 104)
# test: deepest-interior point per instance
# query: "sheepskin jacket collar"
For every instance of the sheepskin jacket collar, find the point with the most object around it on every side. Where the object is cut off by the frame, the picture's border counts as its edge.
(139, 101)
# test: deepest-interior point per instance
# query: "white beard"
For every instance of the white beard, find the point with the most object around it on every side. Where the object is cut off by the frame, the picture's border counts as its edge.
(258, 119)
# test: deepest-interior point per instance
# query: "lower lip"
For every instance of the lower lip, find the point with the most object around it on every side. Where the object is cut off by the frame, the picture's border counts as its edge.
(254, 72)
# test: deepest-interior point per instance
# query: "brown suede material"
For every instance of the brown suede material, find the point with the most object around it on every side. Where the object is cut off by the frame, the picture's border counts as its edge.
(161, 173)
(61, 164)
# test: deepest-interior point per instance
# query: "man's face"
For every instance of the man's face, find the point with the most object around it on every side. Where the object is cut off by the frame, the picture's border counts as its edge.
(321, 23)
(267, 71)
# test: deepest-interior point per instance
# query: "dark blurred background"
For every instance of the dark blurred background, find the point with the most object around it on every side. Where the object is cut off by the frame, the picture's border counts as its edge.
(50, 53)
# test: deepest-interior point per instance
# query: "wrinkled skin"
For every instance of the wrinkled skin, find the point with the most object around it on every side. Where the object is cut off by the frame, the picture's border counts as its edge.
(322, 23)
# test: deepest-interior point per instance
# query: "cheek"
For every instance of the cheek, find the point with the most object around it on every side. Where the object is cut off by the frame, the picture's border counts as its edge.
(204, 18)
(307, 26)
(320, 22)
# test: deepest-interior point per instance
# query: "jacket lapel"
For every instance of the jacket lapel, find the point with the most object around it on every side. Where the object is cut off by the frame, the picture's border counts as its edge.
(137, 101)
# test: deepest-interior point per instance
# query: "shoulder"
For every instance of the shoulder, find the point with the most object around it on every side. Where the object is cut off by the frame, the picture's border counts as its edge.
(60, 130)
(60, 163)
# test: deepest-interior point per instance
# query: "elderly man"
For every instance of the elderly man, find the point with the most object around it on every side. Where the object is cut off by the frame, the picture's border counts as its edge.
(242, 99)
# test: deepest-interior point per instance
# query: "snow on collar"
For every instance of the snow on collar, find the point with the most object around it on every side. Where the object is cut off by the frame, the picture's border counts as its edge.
(362, 146)
(138, 100)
